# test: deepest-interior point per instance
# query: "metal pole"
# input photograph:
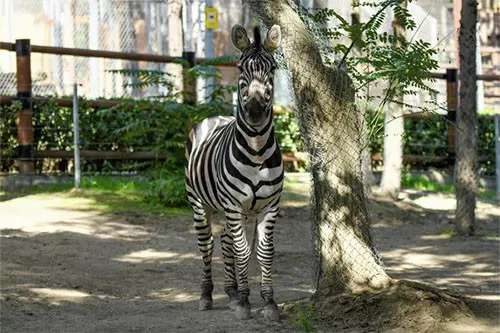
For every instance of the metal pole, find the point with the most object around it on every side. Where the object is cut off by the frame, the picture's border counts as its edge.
(76, 135)
(209, 51)
(497, 152)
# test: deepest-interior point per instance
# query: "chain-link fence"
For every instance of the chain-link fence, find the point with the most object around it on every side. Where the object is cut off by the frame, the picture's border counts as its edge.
(107, 25)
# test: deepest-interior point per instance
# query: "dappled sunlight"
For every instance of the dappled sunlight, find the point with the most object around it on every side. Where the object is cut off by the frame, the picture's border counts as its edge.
(180, 296)
(486, 297)
(151, 255)
(408, 260)
(417, 257)
(447, 202)
(56, 296)
(435, 202)
(44, 216)
(435, 237)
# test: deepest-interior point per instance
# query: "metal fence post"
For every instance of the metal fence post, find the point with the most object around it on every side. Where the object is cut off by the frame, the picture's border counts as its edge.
(76, 135)
(497, 152)
(25, 135)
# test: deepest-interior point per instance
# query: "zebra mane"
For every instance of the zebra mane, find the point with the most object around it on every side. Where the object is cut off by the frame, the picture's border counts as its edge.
(257, 37)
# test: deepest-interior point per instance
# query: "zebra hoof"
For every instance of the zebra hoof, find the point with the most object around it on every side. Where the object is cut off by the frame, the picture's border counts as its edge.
(271, 311)
(205, 303)
(243, 310)
(233, 303)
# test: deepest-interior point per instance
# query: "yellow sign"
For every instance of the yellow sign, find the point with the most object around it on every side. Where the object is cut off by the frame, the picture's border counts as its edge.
(211, 18)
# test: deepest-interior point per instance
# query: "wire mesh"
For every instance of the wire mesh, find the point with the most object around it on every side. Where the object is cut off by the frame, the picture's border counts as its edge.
(108, 25)
(333, 133)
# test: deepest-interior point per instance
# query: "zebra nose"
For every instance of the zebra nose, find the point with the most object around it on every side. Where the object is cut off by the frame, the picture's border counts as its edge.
(256, 91)
(255, 105)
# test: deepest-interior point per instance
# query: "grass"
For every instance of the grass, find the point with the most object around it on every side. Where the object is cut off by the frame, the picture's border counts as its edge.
(112, 194)
(422, 183)
(303, 319)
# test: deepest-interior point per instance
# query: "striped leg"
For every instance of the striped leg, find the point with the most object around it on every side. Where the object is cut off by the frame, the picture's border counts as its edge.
(203, 228)
(265, 256)
(230, 285)
(242, 255)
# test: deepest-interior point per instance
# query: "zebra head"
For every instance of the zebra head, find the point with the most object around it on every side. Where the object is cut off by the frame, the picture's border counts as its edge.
(257, 66)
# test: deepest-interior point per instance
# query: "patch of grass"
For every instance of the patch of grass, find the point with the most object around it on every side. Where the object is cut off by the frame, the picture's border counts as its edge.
(449, 232)
(422, 183)
(297, 192)
(116, 194)
(490, 238)
(303, 320)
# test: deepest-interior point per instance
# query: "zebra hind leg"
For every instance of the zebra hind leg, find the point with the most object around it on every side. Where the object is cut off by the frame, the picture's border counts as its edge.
(203, 228)
(265, 256)
(230, 285)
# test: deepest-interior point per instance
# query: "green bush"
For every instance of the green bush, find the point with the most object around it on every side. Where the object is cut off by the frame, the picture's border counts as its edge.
(428, 137)
(286, 130)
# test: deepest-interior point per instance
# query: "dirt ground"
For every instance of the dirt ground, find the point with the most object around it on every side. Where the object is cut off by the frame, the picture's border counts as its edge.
(67, 267)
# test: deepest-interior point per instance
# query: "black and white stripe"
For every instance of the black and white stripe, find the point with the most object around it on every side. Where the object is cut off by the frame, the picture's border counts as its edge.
(234, 165)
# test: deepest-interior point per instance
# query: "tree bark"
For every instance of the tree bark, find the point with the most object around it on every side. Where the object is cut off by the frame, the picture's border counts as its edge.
(331, 128)
(175, 41)
(466, 161)
(393, 138)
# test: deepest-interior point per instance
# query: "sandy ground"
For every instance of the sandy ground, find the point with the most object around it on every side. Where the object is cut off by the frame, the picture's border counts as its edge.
(67, 267)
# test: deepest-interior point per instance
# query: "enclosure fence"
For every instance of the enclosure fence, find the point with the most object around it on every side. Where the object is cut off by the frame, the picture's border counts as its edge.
(111, 25)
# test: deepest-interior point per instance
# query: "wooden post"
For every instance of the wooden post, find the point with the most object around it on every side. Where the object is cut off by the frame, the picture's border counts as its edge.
(189, 84)
(25, 116)
(452, 104)
(497, 153)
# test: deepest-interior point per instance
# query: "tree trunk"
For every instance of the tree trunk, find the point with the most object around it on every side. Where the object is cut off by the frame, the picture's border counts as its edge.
(466, 162)
(393, 135)
(366, 164)
(331, 128)
(390, 183)
(175, 41)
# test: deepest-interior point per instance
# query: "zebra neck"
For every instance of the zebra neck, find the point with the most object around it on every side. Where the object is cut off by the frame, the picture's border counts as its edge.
(257, 145)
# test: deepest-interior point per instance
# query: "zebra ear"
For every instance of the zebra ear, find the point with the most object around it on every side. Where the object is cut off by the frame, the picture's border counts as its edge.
(273, 38)
(240, 38)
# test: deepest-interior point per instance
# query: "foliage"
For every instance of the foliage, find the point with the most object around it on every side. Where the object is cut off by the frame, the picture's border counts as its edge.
(8, 135)
(303, 319)
(388, 57)
(396, 65)
(428, 137)
(141, 125)
(168, 189)
(286, 130)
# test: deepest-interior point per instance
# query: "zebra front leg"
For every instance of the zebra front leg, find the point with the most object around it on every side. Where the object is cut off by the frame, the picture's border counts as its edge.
(236, 224)
(203, 227)
(230, 285)
(265, 256)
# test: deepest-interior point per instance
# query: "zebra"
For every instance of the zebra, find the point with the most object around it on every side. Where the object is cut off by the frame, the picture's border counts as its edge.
(234, 165)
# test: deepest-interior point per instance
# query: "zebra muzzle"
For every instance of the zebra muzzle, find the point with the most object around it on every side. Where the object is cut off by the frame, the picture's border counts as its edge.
(255, 110)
